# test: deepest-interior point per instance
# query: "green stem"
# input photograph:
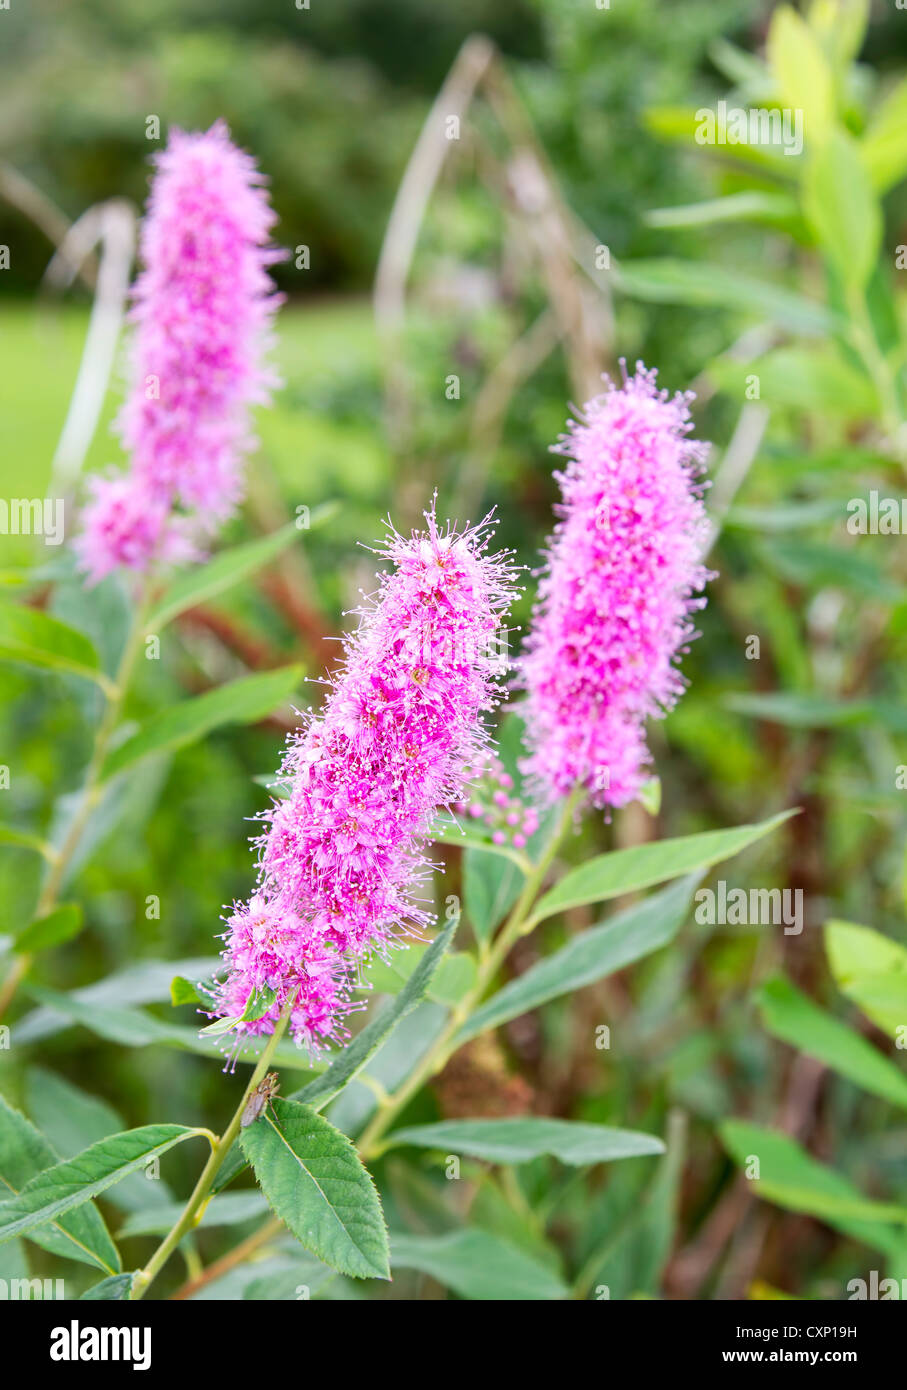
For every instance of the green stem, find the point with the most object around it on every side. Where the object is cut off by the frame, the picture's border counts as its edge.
(437, 1056)
(195, 1207)
(92, 790)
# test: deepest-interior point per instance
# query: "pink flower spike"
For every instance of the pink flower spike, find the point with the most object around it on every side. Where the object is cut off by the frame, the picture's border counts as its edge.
(622, 571)
(343, 860)
(202, 312)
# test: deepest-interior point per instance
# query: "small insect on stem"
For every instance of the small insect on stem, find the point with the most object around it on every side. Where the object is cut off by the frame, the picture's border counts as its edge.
(263, 1093)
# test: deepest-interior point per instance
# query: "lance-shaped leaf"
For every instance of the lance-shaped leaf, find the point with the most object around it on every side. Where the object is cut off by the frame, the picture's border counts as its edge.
(366, 1043)
(314, 1180)
(794, 1018)
(519, 1139)
(24, 1153)
(628, 870)
(135, 1028)
(478, 1265)
(590, 956)
(34, 638)
(354, 1057)
(69, 1184)
(667, 281)
(241, 702)
(198, 585)
(789, 1176)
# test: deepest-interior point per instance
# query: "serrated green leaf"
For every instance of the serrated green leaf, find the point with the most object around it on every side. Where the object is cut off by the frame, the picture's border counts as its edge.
(25, 1153)
(478, 1265)
(242, 701)
(794, 1018)
(314, 1180)
(628, 870)
(61, 925)
(519, 1140)
(589, 956)
(72, 1120)
(76, 1180)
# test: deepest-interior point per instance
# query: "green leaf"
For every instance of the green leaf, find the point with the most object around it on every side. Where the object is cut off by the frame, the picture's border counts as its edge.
(843, 210)
(870, 969)
(801, 71)
(816, 564)
(24, 839)
(808, 711)
(477, 1265)
(363, 1047)
(455, 976)
(315, 1182)
(815, 378)
(628, 870)
(884, 144)
(72, 1120)
(794, 1018)
(34, 638)
(24, 1153)
(491, 886)
(197, 586)
(793, 1179)
(147, 982)
(135, 1028)
(518, 1140)
(698, 284)
(682, 123)
(242, 701)
(115, 1289)
(183, 991)
(734, 207)
(58, 926)
(229, 1209)
(590, 956)
(375, 1033)
(76, 1180)
(258, 1003)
